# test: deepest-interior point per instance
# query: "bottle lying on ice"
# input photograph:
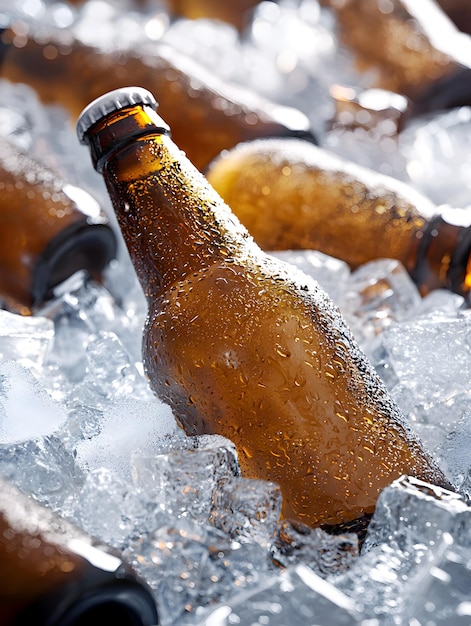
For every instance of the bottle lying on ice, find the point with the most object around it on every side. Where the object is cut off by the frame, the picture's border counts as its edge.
(234, 342)
(294, 195)
(52, 574)
(217, 115)
(49, 230)
(413, 47)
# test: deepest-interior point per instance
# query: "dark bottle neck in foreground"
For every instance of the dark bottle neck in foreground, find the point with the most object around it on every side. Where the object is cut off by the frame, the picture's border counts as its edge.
(96, 598)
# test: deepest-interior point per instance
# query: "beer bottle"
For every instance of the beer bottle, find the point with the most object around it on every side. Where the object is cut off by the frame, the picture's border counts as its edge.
(410, 47)
(217, 115)
(459, 11)
(52, 574)
(293, 195)
(236, 342)
(49, 228)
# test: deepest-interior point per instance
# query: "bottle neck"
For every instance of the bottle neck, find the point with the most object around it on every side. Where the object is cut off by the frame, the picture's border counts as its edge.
(172, 220)
(443, 258)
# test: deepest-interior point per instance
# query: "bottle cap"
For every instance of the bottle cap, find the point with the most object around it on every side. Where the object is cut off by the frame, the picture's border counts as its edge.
(110, 102)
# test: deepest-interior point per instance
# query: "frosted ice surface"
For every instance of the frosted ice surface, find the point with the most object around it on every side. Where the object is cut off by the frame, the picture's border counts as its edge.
(438, 157)
(326, 554)
(26, 409)
(331, 273)
(410, 512)
(297, 597)
(192, 566)
(27, 340)
(181, 473)
(379, 294)
(443, 596)
(247, 509)
(42, 467)
(108, 508)
(128, 424)
(454, 451)
(432, 355)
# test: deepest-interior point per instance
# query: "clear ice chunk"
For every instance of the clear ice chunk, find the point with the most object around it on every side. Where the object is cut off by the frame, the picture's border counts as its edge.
(247, 509)
(26, 409)
(181, 473)
(108, 508)
(410, 512)
(326, 554)
(438, 158)
(433, 356)
(454, 452)
(191, 566)
(442, 595)
(331, 273)
(296, 597)
(128, 424)
(26, 340)
(379, 294)
(43, 468)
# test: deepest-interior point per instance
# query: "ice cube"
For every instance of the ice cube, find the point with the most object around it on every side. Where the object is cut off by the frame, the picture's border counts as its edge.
(410, 512)
(379, 294)
(453, 453)
(296, 597)
(442, 596)
(26, 340)
(191, 566)
(432, 355)
(43, 468)
(437, 153)
(128, 424)
(182, 473)
(108, 508)
(247, 509)
(331, 273)
(326, 554)
(26, 409)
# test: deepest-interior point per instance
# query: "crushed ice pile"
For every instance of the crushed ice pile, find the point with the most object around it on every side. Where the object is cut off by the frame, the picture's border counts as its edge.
(81, 432)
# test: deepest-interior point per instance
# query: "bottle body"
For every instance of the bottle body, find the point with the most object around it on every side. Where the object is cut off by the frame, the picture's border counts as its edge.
(240, 347)
(412, 48)
(291, 195)
(52, 574)
(218, 115)
(50, 229)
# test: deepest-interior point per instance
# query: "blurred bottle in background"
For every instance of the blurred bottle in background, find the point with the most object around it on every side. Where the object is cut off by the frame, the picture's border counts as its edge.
(292, 195)
(412, 48)
(50, 229)
(217, 115)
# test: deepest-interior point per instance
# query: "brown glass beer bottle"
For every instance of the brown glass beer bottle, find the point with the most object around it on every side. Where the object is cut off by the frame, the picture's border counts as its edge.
(217, 115)
(52, 574)
(237, 344)
(293, 195)
(410, 47)
(49, 229)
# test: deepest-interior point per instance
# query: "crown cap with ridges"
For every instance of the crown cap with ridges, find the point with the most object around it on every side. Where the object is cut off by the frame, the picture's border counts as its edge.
(110, 102)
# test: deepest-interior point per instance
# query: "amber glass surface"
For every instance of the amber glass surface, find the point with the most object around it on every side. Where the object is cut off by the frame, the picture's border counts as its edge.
(234, 12)
(39, 212)
(36, 556)
(241, 346)
(216, 116)
(294, 195)
(408, 44)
